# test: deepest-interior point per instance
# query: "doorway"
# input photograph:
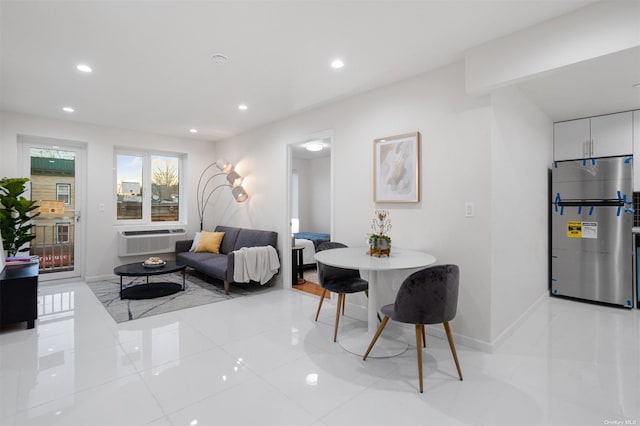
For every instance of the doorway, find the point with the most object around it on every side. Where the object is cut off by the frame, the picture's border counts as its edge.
(310, 207)
(55, 169)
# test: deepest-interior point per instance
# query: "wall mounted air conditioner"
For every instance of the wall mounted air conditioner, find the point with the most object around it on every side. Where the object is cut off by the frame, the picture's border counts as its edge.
(133, 243)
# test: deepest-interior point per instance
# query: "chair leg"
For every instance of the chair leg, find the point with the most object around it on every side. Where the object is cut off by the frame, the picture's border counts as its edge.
(447, 329)
(419, 331)
(424, 338)
(384, 322)
(324, 291)
(340, 303)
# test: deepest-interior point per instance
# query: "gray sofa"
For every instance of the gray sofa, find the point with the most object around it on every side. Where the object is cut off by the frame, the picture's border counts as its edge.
(220, 266)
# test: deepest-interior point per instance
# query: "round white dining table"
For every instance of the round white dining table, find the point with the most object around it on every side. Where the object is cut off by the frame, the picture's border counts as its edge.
(358, 341)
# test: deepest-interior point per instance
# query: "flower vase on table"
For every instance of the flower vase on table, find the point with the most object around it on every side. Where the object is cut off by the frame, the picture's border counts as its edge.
(379, 241)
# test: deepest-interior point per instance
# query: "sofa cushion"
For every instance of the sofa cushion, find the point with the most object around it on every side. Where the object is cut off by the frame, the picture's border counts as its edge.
(214, 265)
(209, 242)
(255, 238)
(229, 240)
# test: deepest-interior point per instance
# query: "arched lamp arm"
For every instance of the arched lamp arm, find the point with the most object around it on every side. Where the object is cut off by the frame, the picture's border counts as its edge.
(204, 204)
(201, 193)
(198, 201)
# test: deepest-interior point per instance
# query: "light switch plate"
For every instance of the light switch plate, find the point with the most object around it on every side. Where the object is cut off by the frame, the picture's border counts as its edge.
(468, 209)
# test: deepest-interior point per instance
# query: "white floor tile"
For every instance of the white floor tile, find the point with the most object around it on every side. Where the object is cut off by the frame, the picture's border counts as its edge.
(263, 360)
(179, 383)
(252, 403)
(125, 401)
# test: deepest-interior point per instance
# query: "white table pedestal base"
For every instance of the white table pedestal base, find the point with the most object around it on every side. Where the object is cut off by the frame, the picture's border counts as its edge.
(357, 343)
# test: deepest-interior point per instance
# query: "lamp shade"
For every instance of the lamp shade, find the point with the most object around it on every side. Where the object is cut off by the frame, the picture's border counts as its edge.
(234, 178)
(224, 165)
(239, 194)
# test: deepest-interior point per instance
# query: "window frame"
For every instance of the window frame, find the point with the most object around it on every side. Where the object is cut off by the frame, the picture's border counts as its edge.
(147, 174)
(58, 226)
(68, 194)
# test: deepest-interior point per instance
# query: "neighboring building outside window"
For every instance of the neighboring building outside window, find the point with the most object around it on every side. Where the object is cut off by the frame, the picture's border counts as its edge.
(148, 187)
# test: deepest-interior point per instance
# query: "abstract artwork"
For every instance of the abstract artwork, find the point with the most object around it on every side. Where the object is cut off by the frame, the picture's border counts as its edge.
(396, 169)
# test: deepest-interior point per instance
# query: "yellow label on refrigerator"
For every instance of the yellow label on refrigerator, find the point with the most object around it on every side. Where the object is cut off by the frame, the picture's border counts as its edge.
(574, 229)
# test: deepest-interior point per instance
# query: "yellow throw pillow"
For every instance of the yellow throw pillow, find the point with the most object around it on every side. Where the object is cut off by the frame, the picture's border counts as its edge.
(210, 242)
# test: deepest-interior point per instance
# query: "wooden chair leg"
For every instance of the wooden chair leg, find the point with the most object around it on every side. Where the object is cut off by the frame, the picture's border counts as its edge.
(340, 303)
(324, 291)
(447, 329)
(419, 331)
(424, 338)
(226, 287)
(384, 322)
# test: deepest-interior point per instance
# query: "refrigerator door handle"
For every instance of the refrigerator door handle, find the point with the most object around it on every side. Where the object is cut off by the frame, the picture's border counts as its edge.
(589, 203)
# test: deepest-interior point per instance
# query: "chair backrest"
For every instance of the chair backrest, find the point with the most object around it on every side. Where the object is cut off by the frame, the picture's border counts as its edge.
(329, 273)
(429, 296)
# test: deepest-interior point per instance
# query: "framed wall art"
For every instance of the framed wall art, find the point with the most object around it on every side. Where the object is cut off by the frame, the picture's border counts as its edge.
(396, 169)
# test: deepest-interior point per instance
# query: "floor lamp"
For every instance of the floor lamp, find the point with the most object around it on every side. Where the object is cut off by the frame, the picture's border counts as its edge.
(204, 192)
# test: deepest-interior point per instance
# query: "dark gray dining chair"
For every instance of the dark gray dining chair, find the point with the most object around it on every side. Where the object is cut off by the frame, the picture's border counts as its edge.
(429, 296)
(338, 280)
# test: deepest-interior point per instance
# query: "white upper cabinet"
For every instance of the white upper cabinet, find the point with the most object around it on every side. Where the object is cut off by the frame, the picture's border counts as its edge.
(612, 134)
(603, 136)
(571, 139)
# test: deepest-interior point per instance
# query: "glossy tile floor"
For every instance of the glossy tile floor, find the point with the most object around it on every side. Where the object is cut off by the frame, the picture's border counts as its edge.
(262, 360)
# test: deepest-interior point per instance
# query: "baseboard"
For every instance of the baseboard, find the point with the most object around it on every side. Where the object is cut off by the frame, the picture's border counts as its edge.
(459, 339)
(94, 278)
(518, 322)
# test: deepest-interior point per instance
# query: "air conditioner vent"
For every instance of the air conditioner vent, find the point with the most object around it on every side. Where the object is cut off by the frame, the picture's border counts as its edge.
(133, 243)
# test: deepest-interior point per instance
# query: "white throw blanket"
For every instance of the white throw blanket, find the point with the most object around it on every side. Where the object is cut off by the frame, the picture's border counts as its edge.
(255, 264)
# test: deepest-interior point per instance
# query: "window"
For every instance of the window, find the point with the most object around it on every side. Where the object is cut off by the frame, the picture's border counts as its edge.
(62, 233)
(148, 187)
(63, 193)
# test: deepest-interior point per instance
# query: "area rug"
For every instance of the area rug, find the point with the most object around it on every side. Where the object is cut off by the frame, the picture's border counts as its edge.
(198, 292)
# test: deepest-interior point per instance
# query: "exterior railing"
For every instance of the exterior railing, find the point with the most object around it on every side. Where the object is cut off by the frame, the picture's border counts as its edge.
(54, 247)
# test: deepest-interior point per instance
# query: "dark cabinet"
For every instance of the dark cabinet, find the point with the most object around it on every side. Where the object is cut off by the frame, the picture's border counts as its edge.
(19, 294)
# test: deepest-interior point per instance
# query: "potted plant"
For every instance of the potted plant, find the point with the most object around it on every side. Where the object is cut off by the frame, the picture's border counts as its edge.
(379, 241)
(16, 213)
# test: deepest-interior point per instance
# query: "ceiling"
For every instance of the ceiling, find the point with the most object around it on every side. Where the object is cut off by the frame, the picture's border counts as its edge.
(153, 67)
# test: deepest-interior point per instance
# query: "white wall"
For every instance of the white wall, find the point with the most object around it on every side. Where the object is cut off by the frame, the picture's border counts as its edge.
(320, 195)
(521, 153)
(314, 193)
(302, 167)
(101, 254)
(455, 161)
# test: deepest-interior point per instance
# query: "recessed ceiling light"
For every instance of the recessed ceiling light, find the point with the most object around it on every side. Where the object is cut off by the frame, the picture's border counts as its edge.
(337, 64)
(193, 130)
(84, 68)
(635, 85)
(219, 58)
(243, 107)
(314, 146)
(68, 109)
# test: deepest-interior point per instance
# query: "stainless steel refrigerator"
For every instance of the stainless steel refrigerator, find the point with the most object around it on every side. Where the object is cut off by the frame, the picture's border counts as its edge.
(591, 237)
